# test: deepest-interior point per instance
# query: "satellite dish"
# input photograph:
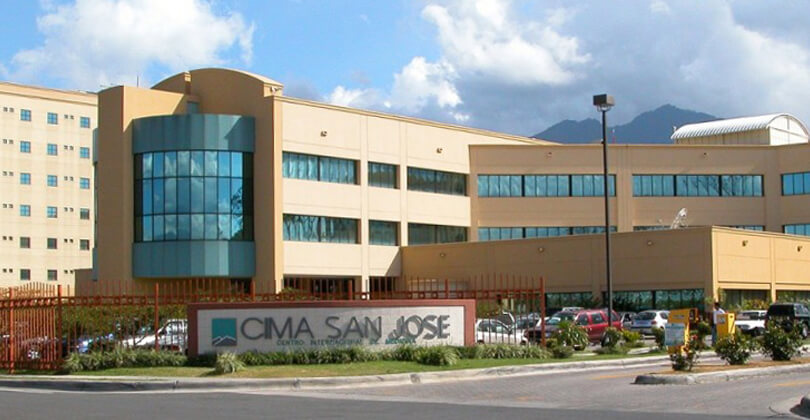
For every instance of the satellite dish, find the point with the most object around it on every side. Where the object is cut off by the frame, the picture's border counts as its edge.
(680, 219)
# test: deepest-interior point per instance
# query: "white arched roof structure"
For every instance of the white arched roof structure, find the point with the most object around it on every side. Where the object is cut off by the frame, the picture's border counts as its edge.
(760, 129)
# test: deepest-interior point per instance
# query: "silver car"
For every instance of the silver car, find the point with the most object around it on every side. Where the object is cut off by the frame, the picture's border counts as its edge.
(646, 321)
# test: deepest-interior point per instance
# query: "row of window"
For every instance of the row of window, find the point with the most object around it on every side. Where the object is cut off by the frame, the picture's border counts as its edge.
(662, 227)
(797, 229)
(53, 180)
(305, 228)
(319, 168)
(52, 212)
(25, 274)
(193, 163)
(545, 185)
(657, 299)
(503, 233)
(53, 118)
(697, 186)
(193, 195)
(52, 149)
(796, 183)
(383, 175)
(181, 195)
(433, 181)
(192, 227)
(52, 243)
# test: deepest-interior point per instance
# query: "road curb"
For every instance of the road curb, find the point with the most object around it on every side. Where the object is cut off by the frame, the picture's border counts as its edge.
(121, 384)
(804, 405)
(715, 377)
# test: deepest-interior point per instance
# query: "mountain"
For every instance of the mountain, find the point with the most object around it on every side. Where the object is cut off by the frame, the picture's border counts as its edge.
(648, 127)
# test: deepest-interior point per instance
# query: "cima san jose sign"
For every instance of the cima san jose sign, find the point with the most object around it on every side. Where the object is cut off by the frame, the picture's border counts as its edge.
(290, 326)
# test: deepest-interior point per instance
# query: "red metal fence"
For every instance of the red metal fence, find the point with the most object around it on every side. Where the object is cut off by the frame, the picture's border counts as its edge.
(42, 324)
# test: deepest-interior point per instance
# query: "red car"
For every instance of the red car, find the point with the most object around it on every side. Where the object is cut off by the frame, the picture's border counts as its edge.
(593, 320)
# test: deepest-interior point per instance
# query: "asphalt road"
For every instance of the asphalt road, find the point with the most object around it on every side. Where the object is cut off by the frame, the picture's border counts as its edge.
(605, 394)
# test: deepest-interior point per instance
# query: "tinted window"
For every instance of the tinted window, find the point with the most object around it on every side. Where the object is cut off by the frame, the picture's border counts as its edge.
(582, 320)
(780, 310)
(645, 316)
(597, 318)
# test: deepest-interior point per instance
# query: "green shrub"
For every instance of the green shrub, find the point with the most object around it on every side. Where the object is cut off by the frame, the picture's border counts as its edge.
(570, 334)
(406, 352)
(612, 338)
(361, 354)
(437, 356)
(507, 351)
(472, 352)
(781, 345)
(701, 331)
(71, 364)
(658, 333)
(228, 363)
(632, 338)
(252, 358)
(120, 358)
(735, 349)
(203, 360)
(562, 352)
(686, 358)
(92, 361)
(535, 352)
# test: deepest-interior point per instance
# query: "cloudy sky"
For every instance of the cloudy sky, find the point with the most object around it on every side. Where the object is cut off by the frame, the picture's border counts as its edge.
(513, 66)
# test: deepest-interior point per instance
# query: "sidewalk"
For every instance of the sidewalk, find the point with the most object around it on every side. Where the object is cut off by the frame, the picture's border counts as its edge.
(119, 383)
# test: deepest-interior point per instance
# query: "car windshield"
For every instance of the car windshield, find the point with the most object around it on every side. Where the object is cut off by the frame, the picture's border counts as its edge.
(750, 316)
(524, 323)
(645, 316)
(560, 317)
(780, 310)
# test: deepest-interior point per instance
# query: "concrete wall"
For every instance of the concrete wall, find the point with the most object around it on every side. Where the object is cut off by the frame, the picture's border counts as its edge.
(654, 260)
(760, 261)
(118, 106)
(625, 161)
(320, 129)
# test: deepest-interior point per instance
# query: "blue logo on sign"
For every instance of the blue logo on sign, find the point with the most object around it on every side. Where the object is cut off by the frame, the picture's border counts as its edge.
(223, 331)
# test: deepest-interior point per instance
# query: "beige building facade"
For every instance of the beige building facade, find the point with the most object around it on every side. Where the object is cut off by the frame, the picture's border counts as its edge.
(47, 184)
(214, 173)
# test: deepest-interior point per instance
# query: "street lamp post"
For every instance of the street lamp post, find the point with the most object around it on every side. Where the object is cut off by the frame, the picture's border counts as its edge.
(603, 103)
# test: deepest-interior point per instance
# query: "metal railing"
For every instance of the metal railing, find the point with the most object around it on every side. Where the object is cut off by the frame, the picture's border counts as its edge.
(40, 325)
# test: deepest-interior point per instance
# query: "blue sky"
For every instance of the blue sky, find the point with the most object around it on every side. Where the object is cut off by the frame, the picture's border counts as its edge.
(516, 66)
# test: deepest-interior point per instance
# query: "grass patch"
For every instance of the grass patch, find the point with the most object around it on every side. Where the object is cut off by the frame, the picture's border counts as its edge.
(327, 370)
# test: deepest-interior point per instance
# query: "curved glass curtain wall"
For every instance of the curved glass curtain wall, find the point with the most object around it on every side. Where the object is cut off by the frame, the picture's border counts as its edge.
(193, 195)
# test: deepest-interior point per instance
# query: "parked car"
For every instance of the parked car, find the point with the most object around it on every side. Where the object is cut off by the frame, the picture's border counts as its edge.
(627, 319)
(646, 321)
(171, 336)
(524, 323)
(750, 322)
(493, 331)
(789, 315)
(593, 320)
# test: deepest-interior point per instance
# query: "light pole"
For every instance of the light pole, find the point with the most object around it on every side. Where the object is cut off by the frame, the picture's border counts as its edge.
(603, 103)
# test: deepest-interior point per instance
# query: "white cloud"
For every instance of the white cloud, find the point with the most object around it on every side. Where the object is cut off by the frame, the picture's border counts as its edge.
(99, 42)
(355, 98)
(420, 82)
(519, 67)
(481, 41)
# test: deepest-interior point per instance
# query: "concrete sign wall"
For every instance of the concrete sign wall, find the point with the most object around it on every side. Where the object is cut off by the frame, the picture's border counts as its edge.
(291, 326)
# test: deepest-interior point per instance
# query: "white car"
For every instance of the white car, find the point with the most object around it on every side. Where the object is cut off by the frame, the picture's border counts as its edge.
(646, 321)
(494, 331)
(173, 335)
(750, 322)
